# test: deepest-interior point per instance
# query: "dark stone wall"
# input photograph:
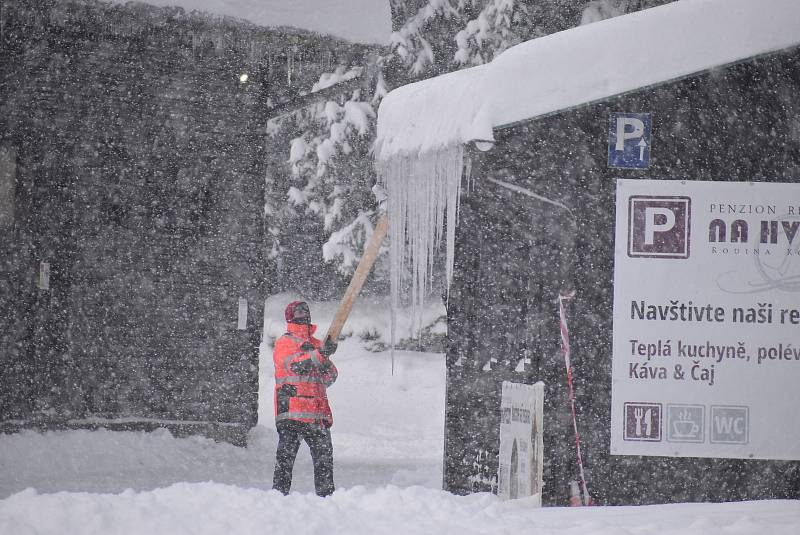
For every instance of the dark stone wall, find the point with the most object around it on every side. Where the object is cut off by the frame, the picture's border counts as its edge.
(137, 161)
(514, 255)
(500, 319)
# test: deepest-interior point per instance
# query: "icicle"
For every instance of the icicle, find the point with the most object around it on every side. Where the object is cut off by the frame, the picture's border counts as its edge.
(423, 197)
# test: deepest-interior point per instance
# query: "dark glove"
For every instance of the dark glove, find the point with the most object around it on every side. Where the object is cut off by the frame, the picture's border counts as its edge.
(287, 391)
(302, 368)
(328, 348)
(307, 346)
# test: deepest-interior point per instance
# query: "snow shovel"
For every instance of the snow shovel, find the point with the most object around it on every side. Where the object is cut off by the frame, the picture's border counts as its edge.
(360, 275)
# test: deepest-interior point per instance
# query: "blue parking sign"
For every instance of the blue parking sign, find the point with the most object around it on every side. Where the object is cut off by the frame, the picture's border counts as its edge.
(629, 140)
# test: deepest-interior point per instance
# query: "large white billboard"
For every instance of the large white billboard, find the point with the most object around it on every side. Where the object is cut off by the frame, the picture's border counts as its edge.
(706, 349)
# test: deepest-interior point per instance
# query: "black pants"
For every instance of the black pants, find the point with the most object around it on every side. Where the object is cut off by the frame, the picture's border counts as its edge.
(290, 433)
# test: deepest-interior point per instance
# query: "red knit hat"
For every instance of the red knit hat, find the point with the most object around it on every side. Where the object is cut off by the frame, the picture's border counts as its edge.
(297, 312)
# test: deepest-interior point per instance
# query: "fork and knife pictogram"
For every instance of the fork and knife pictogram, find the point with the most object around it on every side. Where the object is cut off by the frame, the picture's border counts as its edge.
(644, 420)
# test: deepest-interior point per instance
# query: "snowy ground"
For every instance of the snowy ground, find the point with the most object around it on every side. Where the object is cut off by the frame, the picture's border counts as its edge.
(388, 452)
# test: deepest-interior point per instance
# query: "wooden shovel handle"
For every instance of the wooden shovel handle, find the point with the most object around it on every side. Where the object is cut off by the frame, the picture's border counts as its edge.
(360, 275)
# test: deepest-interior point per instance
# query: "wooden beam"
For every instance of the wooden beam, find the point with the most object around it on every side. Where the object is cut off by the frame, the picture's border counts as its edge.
(367, 260)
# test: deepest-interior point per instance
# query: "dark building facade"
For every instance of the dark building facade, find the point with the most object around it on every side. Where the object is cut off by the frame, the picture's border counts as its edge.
(540, 222)
(132, 187)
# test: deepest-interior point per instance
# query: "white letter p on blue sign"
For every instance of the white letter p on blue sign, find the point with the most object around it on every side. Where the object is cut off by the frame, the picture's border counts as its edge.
(629, 137)
(628, 128)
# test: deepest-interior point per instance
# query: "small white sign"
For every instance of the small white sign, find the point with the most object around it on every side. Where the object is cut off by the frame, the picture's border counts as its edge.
(242, 325)
(44, 275)
(521, 441)
(706, 350)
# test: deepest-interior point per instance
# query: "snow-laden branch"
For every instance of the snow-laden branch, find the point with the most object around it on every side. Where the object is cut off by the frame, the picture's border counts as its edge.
(409, 42)
(500, 25)
(324, 183)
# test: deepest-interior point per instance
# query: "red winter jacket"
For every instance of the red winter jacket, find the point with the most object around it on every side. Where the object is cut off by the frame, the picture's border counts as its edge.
(301, 377)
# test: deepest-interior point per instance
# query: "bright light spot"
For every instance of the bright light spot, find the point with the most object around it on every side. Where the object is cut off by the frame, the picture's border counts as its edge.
(243, 77)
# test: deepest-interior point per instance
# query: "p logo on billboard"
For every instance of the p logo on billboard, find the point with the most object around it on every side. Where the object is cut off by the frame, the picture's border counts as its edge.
(659, 227)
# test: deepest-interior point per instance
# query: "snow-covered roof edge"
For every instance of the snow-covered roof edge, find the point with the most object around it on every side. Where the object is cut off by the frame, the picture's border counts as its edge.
(581, 65)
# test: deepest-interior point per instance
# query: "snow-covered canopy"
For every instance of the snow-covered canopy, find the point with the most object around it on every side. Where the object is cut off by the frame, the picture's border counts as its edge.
(422, 127)
(582, 65)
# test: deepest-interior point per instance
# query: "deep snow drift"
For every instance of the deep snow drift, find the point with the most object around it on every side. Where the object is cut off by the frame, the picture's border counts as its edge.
(388, 437)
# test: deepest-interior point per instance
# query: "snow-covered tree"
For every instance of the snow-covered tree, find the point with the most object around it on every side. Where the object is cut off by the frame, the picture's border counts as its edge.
(321, 192)
(441, 35)
(435, 36)
(481, 29)
(501, 24)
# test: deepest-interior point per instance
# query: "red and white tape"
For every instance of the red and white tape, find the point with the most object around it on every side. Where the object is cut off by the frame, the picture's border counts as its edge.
(587, 500)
